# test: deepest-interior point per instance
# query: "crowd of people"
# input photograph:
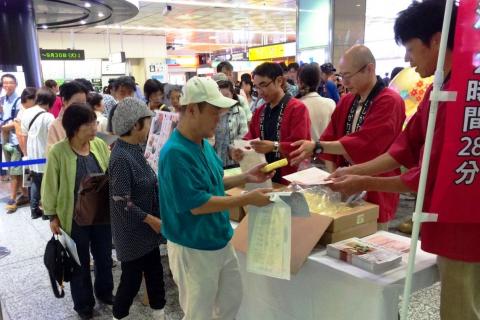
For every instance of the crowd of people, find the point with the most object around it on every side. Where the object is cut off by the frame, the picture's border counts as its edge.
(353, 129)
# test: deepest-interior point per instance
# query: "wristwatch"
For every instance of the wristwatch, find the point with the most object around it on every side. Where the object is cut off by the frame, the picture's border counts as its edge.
(318, 148)
(275, 146)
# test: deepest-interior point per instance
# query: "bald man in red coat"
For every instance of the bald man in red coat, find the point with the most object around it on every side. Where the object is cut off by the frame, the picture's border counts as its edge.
(363, 126)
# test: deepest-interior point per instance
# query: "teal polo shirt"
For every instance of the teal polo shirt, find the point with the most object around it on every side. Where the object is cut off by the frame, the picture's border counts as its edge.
(189, 175)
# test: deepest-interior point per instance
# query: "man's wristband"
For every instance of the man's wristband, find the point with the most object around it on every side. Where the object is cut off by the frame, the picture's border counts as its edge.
(276, 146)
(318, 148)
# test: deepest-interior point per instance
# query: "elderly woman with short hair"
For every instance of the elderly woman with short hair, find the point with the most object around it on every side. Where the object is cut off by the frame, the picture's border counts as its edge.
(134, 210)
(69, 162)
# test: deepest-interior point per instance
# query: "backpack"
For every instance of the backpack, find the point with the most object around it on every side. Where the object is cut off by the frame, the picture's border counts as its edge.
(60, 265)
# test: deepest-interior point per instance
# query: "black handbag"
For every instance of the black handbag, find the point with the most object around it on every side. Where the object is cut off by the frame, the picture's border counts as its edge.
(60, 265)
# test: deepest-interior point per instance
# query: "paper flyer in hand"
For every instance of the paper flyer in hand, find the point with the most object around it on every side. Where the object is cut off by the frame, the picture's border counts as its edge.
(308, 177)
(250, 159)
(68, 243)
(163, 124)
(269, 239)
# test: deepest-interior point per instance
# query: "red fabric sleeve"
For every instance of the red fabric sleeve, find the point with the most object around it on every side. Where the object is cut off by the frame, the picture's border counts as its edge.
(381, 127)
(408, 147)
(296, 126)
(411, 178)
(335, 128)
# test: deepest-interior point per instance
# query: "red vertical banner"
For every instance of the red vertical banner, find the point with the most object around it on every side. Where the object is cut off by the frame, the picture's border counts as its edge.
(457, 187)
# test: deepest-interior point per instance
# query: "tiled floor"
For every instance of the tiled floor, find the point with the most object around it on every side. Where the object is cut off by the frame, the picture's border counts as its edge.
(26, 294)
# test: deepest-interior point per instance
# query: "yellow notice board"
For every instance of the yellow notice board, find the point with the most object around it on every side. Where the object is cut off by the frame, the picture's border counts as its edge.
(271, 52)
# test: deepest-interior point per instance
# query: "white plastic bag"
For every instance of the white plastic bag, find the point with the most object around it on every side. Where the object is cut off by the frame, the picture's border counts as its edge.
(269, 239)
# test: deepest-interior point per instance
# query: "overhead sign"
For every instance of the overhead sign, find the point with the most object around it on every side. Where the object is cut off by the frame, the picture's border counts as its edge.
(113, 68)
(62, 54)
(182, 61)
(117, 57)
(272, 51)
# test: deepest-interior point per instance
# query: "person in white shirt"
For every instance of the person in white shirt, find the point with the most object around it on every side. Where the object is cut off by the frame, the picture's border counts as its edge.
(95, 100)
(34, 127)
(319, 108)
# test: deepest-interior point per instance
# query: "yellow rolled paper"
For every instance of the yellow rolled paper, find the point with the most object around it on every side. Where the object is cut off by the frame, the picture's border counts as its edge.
(275, 165)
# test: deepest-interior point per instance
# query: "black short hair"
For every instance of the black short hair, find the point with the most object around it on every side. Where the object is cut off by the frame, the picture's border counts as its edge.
(224, 64)
(151, 86)
(68, 89)
(246, 77)
(9, 75)
(309, 76)
(51, 83)
(223, 84)
(141, 125)
(270, 70)
(395, 71)
(124, 81)
(45, 96)
(422, 20)
(28, 94)
(75, 116)
(294, 66)
(94, 99)
(283, 65)
(87, 84)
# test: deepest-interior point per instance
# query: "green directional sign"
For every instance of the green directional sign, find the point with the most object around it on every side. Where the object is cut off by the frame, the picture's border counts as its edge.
(62, 54)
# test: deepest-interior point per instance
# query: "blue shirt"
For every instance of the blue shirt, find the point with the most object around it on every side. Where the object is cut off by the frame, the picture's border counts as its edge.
(189, 175)
(332, 91)
(8, 103)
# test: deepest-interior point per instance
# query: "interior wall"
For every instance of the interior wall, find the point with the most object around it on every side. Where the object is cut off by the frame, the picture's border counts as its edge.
(137, 69)
(348, 26)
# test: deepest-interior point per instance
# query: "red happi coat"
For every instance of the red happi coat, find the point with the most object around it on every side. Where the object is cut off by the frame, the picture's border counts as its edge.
(383, 123)
(295, 126)
(457, 241)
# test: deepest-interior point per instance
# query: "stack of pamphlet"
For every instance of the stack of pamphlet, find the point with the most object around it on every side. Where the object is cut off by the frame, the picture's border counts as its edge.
(366, 255)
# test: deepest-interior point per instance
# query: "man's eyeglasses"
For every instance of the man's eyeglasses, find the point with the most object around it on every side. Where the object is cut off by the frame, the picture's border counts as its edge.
(347, 76)
(262, 85)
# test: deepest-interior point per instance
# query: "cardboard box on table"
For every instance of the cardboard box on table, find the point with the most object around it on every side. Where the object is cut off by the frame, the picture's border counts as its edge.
(307, 232)
(358, 221)
(359, 231)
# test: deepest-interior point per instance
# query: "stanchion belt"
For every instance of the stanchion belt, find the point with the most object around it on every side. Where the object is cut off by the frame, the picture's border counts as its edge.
(22, 163)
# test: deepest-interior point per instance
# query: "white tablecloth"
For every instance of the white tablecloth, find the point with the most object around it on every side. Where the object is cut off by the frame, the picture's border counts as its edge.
(330, 289)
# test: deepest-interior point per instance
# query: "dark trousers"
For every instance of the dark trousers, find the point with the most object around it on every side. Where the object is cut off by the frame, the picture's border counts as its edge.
(150, 266)
(98, 239)
(35, 190)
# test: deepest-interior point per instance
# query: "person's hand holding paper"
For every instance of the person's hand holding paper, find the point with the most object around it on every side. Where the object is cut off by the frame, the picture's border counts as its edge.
(349, 184)
(237, 150)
